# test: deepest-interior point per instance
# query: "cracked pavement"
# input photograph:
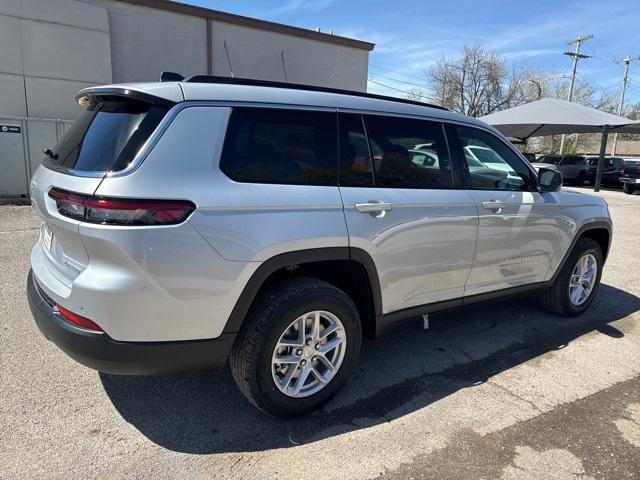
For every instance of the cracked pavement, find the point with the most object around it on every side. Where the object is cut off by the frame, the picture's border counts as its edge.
(496, 391)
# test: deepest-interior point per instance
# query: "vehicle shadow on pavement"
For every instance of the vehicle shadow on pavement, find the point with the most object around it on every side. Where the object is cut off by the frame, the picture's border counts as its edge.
(403, 371)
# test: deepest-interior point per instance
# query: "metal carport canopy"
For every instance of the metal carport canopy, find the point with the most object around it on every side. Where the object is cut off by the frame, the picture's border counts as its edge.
(550, 116)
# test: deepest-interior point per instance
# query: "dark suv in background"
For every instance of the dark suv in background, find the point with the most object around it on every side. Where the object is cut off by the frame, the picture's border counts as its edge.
(610, 170)
(630, 175)
(574, 168)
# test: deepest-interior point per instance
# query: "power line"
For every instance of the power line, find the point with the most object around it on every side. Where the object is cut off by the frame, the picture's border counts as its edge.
(606, 50)
(404, 79)
(383, 77)
(392, 88)
(396, 72)
(632, 82)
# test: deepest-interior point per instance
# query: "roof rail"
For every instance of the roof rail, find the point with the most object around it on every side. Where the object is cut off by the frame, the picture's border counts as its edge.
(297, 86)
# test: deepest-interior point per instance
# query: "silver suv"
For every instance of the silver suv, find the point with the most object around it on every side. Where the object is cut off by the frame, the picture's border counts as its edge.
(187, 222)
(574, 168)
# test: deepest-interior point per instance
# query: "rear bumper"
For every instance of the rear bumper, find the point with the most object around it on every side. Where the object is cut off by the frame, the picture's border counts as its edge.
(632, 180)
(101, 352)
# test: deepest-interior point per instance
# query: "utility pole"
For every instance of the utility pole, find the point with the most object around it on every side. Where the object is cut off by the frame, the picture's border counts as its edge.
(626, 61)
(576, 55)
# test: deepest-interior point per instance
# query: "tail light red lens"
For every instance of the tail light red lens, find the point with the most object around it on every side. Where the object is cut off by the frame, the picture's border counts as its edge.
(121, 211)
(76, 319)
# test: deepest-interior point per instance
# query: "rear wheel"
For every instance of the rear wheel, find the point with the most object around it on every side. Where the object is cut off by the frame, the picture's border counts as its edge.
(297, 347)
(581, 178)
(628, 188)
(577, 283)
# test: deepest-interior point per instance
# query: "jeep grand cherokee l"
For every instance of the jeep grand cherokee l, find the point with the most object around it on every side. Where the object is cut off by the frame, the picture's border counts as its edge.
(189, 222)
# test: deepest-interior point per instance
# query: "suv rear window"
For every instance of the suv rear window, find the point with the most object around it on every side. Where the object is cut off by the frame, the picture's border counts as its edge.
(106, 137)
(548, 159)
(265, 145)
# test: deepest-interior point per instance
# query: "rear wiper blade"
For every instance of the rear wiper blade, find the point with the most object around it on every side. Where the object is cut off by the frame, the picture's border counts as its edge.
(50, 153)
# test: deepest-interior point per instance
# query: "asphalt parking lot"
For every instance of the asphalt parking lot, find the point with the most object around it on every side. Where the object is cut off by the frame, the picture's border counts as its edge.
(499, 391)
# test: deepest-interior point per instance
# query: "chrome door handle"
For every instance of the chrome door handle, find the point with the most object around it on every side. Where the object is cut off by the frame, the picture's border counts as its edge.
(373, 206)
(493, 205)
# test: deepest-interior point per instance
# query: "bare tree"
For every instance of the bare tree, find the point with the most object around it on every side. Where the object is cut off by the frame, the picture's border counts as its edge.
(477, 83)
(416, 94)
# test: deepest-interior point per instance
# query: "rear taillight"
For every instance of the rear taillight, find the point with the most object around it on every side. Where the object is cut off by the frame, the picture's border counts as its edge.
(120, 211)
(622, 171)
(75, 319)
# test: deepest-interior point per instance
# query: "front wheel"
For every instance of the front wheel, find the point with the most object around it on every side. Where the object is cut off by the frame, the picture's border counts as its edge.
(628, 188)
(577, 283)
(297, 347)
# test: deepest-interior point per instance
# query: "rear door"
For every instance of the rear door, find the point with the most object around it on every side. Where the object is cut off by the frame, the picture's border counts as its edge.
(106, 138)
(518, 226)
(402, 207)
(569, 167)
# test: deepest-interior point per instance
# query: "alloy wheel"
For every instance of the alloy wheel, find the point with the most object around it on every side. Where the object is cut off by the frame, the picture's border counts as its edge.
(308, 354)
(583, 279)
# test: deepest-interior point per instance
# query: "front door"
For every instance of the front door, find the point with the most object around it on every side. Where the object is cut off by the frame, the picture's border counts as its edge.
(401, 208)
(518, 226)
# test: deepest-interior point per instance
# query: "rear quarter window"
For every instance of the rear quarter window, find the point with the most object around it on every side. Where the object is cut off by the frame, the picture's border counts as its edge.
(106, 137)
(281, 146)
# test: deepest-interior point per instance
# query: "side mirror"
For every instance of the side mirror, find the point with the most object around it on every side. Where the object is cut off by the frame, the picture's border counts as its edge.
(550, 180)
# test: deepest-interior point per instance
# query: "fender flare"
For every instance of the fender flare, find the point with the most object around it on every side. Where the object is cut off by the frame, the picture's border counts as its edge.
(597, 225)
(278, 262)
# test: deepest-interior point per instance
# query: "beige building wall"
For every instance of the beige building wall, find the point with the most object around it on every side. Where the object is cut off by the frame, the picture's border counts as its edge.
(146, 41)
(50, 49)
(266, 55)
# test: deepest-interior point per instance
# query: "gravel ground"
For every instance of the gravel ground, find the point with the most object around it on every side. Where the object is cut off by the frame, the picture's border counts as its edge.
(497, 391)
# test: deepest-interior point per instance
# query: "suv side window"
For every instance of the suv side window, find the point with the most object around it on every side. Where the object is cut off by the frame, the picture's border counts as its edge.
(408, 153)
(573, 161)
(490, 164)
(355, 161)
(265, 145)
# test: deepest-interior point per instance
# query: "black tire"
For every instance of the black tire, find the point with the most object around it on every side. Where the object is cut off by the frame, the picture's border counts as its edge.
(271, 313)
(581, 178)
(556, 299)
(628, 188)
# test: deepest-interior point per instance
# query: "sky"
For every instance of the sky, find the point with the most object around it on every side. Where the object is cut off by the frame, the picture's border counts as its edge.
(410, 35)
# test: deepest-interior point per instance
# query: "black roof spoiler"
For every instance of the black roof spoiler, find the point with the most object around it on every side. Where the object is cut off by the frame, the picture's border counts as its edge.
(85, 96)
(171, 77)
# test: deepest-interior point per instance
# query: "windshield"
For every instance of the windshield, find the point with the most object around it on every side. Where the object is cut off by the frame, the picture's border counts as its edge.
(106, 137)
(471, 161)
(548, 160)
(485, 155)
